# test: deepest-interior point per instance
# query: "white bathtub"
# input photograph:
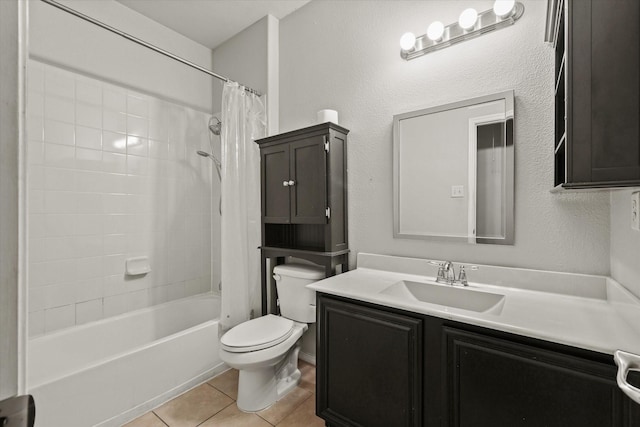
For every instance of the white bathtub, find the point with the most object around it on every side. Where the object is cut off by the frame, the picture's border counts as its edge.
(108, 372)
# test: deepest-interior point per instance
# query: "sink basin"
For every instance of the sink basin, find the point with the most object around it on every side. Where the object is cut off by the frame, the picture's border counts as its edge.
(455, 297)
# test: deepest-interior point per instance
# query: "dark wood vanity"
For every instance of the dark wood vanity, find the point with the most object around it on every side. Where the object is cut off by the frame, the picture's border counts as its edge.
(304, 200)
(380, 366)
(597, 92)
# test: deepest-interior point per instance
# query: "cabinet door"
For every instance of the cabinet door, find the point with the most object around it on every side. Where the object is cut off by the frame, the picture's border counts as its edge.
(491, 382)
(274, 167)
(369, 367)
(309, 173)
(604, 92)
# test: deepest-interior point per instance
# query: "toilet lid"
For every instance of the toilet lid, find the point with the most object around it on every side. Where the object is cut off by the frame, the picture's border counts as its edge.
(257, 334)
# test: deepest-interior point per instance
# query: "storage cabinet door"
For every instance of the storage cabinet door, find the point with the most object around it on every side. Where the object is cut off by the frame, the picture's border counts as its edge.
(309, 173)
(274, 168)
(369, 367)
(604, 91)
(492, 382)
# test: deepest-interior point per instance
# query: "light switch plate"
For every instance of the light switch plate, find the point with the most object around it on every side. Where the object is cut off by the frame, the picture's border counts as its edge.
(635, 210)
(457, 191)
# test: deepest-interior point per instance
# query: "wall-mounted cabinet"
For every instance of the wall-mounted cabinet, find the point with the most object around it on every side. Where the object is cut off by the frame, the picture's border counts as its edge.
(304, 197)
(379, 366)
(597, 92)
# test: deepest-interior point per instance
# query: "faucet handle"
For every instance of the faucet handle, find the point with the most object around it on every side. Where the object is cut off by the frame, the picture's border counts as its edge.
(462, 276)
(440, 278)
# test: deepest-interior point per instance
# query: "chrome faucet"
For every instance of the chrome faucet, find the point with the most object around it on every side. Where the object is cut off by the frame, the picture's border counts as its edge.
(447, 274)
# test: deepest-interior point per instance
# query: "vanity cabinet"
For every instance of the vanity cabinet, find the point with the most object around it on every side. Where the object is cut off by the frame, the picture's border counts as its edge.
(303, 176)
(371, 370)
(464, 376)
(597, 92)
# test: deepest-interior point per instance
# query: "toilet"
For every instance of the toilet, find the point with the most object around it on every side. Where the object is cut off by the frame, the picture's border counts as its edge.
(265, 350)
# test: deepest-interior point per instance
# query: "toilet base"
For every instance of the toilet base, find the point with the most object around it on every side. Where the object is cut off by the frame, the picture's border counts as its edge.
(258, 389)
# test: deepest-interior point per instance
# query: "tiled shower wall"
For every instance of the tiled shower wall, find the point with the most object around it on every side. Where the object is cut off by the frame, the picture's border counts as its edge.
(112, 174)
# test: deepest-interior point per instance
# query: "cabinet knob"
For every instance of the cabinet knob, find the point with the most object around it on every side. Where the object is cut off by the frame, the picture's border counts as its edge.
(292, 183)
(285, 183)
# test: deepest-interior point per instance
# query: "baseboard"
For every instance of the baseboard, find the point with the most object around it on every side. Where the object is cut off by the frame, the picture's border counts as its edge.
(147, 406)
(309, 358)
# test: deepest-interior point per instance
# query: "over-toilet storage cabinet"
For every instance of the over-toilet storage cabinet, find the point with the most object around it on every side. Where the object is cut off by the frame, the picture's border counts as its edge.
(303, 176)
(378, 366)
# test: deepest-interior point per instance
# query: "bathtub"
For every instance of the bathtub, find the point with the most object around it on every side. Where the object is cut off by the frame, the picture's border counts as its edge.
(108, 372)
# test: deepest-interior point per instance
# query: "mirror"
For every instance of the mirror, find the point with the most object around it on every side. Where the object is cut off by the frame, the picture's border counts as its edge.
(453, 171)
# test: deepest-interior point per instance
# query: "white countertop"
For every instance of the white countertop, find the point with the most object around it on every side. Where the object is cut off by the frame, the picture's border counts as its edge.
(590, 312)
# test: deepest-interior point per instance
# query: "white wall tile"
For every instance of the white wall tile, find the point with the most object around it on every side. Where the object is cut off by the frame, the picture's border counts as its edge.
(88, 311)
(89, 203)
(137, 106)
(37, 299)
(137, 146)
(137, 126)
(88, 137)
(114, 142)
(59, 109)
(111, 175)
(114, 162)
(89, 289)
(59, 179)
(59, 225)
(114, 99)
(60, 295)
(35, 104)
(59, 132)
(59, 202)
(36, 323)
(59, 318)
(114, 305)
(89, 224)
(114, 121)
(89, 268)
(137, 165)
(35, 77)
(35, 128)
(88, 115)
(87, 159)
(59, 83)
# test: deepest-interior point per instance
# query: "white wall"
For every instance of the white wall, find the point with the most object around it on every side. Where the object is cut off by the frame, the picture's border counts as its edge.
(12, 57)
(625, 242)
(345, 56)
(67, 41)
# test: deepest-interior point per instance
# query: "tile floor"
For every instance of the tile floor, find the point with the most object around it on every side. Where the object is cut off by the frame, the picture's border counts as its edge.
(213, 404)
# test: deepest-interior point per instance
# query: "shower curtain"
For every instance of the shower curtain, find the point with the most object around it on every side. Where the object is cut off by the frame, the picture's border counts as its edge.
(243, 121)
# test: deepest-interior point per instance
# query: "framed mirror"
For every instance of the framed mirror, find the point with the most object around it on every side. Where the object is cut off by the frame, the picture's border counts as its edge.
(453, 171)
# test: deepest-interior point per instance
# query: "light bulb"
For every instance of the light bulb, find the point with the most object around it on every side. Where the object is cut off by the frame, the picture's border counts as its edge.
(468, 18)
(435, 31)
(407, 41)
(503, 8)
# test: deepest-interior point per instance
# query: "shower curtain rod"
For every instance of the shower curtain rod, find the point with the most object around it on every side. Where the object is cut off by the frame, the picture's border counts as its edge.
(142, 42)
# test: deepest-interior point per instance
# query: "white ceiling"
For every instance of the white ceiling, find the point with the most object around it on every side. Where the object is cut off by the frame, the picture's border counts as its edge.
(211, 22)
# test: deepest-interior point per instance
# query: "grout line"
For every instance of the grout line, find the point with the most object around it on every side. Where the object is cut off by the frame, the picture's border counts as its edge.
(216, 412)
(217, 389)
(158, 417)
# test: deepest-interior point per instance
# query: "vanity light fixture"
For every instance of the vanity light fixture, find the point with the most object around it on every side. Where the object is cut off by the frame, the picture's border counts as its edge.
(470, 24)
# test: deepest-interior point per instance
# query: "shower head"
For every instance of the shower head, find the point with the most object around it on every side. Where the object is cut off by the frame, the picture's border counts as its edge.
(215, 128)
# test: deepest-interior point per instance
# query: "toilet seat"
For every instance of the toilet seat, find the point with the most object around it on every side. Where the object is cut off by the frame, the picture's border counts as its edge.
(257, 334)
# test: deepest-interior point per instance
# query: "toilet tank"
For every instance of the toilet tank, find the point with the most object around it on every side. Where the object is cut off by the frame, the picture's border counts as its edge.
(297, 302)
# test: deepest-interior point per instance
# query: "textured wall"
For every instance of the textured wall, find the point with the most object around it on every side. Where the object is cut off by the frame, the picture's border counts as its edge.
(625, 242)
(345, 56)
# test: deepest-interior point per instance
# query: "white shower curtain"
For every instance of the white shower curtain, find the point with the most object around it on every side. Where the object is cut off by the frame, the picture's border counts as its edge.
(243, 121)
